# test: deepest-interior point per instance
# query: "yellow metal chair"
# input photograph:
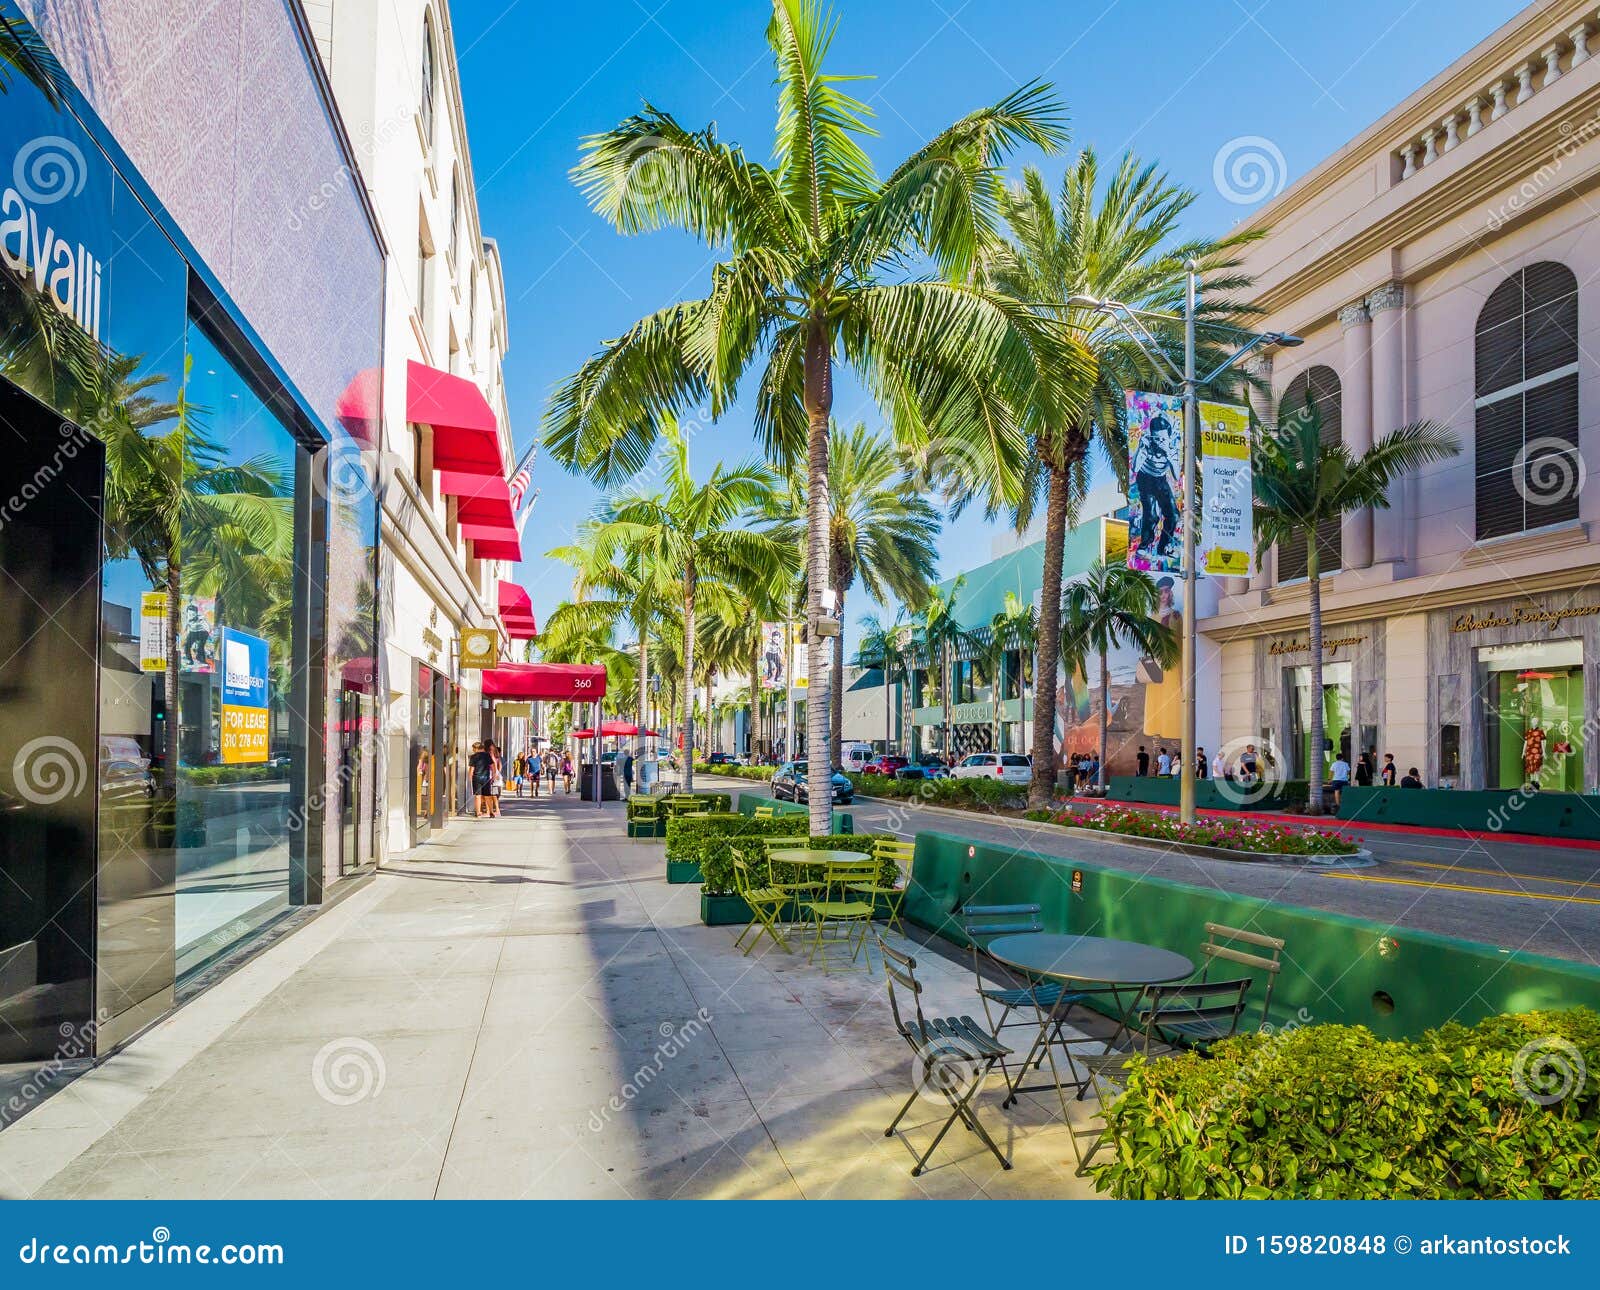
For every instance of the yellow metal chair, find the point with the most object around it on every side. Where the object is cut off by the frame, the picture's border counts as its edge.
(893, 895)
(841, 909)
(765, 813)
(801, 886)
(766, 903)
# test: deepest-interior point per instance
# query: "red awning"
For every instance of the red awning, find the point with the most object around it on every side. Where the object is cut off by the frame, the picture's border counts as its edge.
(493, 542)
(513, 599)
(466, 437)
(359, 408)
(610, 730)
(555, 682)
(521, 629)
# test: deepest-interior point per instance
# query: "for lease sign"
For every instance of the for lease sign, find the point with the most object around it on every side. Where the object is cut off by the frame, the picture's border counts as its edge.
(246, 710)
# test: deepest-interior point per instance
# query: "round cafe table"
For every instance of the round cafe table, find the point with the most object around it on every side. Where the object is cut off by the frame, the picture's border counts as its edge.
(1100, 965)
(805, 855)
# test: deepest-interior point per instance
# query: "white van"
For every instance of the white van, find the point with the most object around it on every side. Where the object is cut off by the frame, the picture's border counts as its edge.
(853, 756)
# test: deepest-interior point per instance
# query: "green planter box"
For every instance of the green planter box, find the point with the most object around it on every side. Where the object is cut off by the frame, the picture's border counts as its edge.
(647, 828)
(682, 871)
(1544, 814)
(843, 821)
(1163, 790)
(723, 911)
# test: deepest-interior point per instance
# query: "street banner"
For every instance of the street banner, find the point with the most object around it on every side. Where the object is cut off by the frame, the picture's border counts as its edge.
(246, 717)
(197, 647)
(1156, 505)
(1225, 541)
(155, 635)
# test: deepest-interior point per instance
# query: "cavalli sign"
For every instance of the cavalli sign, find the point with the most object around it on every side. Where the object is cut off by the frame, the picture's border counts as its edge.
(71, 276)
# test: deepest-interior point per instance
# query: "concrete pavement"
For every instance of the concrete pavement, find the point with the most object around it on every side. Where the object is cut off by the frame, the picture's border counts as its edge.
(524, 1008)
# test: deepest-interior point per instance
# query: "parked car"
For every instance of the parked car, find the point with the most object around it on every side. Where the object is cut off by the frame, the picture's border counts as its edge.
(927, 766)
(886, 764)
(854, 756)
(722, 759)
(1013, 768)
(789, 784)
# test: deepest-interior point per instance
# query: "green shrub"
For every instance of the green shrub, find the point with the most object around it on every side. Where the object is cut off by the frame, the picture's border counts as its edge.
(1334, 1112)
(986, 794)
(716, 859)
(737, 772)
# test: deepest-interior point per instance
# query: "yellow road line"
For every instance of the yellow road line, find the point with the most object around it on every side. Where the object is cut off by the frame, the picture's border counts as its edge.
(1450, 886)
(1497, 873)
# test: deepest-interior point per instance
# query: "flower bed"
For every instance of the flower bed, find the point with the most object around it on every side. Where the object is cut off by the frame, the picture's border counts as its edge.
(1232, 835)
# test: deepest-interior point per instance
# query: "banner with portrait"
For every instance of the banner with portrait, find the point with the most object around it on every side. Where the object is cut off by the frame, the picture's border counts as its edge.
(1156, 506)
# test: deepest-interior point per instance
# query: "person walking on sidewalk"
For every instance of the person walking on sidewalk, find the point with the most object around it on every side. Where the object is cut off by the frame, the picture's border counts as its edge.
(566, 772)
(551, 765)
(625, 768)
(480, 765)
(497, 778)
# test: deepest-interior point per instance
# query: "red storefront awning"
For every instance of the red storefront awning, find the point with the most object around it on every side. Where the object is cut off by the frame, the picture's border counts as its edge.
(522, 629)
(493, 542)
(466, 437)
(359, 408)
(553, 682)
(513, 599)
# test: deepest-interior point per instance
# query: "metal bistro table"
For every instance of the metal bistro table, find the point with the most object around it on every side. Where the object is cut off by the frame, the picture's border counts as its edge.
(1099, 965)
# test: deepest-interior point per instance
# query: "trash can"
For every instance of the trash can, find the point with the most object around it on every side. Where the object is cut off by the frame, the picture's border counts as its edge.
(608, 782)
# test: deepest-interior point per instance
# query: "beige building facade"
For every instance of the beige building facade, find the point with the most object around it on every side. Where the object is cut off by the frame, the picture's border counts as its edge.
(1442, 266)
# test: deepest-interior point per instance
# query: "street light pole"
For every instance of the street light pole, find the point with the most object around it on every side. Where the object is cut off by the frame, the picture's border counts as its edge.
(1191, 439)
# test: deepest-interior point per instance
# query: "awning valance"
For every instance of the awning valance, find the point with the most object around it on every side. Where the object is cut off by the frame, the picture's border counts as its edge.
(466, 437)
(552, 682)
(493, 541)
(513, 599)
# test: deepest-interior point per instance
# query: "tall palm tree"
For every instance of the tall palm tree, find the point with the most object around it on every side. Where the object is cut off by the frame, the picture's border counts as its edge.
(1119, 243)
(941, 638)
(882, 532)
(817, 252)
(1013, 628)
(1112, 605)
(1301, 482)
(685, 527)
(886, 647)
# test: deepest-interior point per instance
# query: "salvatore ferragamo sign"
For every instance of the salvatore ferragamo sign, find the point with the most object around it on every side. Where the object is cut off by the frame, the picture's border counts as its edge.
(1522, 616)
(1295, 646)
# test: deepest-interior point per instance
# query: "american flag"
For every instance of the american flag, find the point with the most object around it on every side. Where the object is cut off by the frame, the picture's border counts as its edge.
(523, 476)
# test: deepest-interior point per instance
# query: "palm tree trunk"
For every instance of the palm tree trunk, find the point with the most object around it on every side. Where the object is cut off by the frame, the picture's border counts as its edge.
(819, 408)
(1314, 761)
(888, 708)
(996, 690)
(644, 677)
(946, 681)
(1105, 718)
(688, 679)
(713, 727)
(1048, 657)
(169, 681)
(755, 698)
(836, 692)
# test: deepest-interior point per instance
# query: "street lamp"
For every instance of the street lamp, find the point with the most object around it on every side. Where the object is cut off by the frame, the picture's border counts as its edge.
(1130, 321)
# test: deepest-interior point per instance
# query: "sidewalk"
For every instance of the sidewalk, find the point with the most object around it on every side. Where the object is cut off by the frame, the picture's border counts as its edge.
(524, 1008)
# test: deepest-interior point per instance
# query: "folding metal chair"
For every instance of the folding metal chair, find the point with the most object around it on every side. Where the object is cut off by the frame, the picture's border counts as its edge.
(765, 901)
(798, 884)
(1215, 1006)
(841, 908)
(954, 1056)
(764, 813)
(1216, 947)
(893, 895)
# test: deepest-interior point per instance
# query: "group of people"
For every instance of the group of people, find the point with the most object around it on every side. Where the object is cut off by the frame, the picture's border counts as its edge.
(487, 768)
(1367, 771)
(1245, 769)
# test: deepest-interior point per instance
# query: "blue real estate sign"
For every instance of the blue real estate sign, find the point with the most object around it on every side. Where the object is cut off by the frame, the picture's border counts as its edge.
(245, 706)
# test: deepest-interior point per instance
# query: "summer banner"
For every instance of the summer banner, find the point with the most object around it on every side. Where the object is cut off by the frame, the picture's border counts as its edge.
(1155, 482)
(1225, 539)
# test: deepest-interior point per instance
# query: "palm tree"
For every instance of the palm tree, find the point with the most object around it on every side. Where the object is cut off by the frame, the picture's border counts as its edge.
(1112, 605)
(817, 269)
(1013, 628)
(1301, 483)
(941, 637)
(1110, 244)
(887, 648)
(24, 53)
(881, 531)
(685, 528)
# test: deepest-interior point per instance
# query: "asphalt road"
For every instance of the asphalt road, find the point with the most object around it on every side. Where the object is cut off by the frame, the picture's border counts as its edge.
(1511, 895)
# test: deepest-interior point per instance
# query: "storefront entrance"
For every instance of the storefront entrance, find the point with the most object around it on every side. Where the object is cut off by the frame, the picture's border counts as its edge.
(1336, 718)
(1533, 714)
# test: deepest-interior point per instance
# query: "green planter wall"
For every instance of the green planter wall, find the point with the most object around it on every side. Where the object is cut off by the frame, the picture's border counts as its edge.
(1542, 814)
(1163, 790)
(1335, 968)
(843, 821)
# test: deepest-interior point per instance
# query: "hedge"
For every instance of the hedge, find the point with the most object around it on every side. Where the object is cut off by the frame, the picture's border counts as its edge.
(716, 853)
(988, 793)
(1508, 1108)
(737, 772)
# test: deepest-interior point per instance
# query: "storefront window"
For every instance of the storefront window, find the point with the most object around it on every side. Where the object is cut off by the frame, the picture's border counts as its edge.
(1533, 714)
(423, 769)
(1336, 715)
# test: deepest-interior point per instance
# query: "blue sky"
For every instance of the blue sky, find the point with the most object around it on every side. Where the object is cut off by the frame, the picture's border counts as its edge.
(1175, 80)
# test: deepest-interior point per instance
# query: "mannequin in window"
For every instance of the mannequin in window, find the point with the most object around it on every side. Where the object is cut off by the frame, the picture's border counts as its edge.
(1533, 754)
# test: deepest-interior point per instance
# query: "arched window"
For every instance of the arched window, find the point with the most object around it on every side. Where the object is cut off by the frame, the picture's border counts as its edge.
(428, 78)
(1321, 385)
(1527, 402)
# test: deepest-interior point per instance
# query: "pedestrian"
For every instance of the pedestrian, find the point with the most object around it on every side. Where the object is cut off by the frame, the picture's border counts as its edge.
(1249, 765)
(1163, 762)
(625, 765)
(551, 766)
(1202, 767)
(1144, 762)
(1413, 779)
(566, 772)
(1219, 766)
(1365, 766)
(497, 778)
(480, 767)
(1338, 778)
(1390, 771)
(535, 768)
(1091, 770)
